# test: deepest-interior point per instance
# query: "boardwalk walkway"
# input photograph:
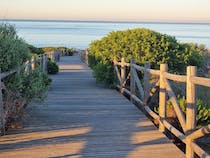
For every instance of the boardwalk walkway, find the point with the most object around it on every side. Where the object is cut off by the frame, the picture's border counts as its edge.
(80, 118)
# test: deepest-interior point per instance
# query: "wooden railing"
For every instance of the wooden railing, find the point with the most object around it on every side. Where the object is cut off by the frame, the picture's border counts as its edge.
(29, 66)
(83, 55)
(188, 122)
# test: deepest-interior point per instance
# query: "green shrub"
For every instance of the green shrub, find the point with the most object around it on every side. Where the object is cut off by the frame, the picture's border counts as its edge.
(64, 50)
(35, 50)
(52, 67)
(19, 88)
(13, 50)
(144, 45)
(30, 85)
(104, 73)
(69, 52)
(203, 110)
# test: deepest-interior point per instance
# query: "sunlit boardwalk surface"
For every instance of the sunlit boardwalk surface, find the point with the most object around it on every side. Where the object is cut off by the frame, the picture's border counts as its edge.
(80, 118)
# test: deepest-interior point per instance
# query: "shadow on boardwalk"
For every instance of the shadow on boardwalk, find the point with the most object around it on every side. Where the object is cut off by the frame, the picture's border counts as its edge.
(80, 118)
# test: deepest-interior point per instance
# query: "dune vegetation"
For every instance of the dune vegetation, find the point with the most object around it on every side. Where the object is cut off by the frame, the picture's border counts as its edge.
(21, 88)
(156, 48)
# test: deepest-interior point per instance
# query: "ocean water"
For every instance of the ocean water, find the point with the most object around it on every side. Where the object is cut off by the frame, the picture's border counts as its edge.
(78, 34)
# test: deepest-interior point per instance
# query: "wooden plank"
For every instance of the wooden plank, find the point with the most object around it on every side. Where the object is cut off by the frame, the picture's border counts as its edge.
(138, 83)
(128, 76)
(200, 152)
(162, 95)
(33, 63)
(153, 91)
(175, 104)
(81, 118)
(127, 64)
(153, 72)
(5, 74)
(146, 82)
(200, 132)
(118, 73)
(166, 124)
(190, 109)
(139, 68)
(200, 81)
(177, 78)
(123, 71)
(191, 96)
(132, 79)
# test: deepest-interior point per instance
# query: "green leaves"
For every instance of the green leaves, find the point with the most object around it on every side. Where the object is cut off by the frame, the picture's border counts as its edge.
(145, 45)
(13, 50)
(52, 67)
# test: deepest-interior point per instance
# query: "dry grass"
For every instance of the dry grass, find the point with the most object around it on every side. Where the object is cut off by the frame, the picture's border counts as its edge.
(13, 108)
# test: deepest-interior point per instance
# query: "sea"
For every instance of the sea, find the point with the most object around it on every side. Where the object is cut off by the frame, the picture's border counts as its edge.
(79, 34)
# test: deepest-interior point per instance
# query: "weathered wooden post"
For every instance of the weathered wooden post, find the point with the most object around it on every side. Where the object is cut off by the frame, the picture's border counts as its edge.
(59, 55)
(132, 79)
(162, 96)
(52, 56)
(190, 109)
(27, 66)
(41, 62)
(46, 60)
(1, 109)
(86, 56)
(44, 63)
(146, 82)
(33, 63)
(123, 72)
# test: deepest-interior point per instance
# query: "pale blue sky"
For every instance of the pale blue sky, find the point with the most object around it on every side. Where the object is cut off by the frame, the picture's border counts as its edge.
(111, 10)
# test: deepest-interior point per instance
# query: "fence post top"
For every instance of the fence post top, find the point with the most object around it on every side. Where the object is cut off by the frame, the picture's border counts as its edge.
(147, 65)
(192, 67)
(133, 60)
(191, 70)
(163, 67)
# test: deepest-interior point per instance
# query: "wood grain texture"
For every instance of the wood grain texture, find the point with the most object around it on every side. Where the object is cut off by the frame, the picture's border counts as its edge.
(80, 118)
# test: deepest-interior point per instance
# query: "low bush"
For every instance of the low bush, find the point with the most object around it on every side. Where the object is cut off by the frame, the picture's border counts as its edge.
(19, 88)
(13, 50)
(203, 110)
(52, 67)
(64, 50)
(35, 50)
(143, 45)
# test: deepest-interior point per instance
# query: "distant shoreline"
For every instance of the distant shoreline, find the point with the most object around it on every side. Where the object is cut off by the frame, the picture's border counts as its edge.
(103, 21)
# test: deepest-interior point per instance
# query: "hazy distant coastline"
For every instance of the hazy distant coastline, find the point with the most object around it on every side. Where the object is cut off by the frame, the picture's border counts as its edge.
(79, 34)
(105, 21)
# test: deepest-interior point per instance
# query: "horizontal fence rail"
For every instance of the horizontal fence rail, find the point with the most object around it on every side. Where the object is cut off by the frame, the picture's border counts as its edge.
(141, 94)
(29, 67)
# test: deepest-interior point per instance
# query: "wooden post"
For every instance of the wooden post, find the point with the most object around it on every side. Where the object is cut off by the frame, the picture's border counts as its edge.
(53, 56)
(86, 56)
(123, 71)
(1, 109)
(27, 67)
(132, 79)
(41, 62)
(33, 63)
(162, 96)
(46, 59)
(44, 63)
(59, 54)
(191, 109)
(115, 60)
(146, 82)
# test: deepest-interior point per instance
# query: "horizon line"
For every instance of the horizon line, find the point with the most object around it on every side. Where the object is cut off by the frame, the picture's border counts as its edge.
(105, 21)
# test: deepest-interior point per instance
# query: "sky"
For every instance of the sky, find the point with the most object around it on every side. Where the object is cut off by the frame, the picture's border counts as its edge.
(107, 10)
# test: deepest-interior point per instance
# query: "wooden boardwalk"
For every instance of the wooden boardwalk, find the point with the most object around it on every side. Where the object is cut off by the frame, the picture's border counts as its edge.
(80, 118)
